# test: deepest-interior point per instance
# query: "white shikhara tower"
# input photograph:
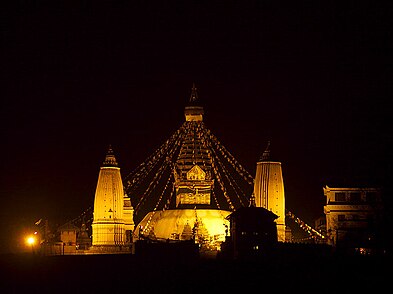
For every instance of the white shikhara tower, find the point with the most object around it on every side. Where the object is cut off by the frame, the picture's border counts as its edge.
(113, 214)
(269, 190)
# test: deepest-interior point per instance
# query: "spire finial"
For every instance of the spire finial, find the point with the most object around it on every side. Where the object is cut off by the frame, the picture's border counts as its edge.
(193, 111)
(110, 159)
(194, 94)
(266, 154)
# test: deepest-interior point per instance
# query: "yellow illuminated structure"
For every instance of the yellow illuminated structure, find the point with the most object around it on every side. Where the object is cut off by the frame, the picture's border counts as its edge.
(269, 190)
(113, 214)
(203, 225)
(192, 171)
(193, 216)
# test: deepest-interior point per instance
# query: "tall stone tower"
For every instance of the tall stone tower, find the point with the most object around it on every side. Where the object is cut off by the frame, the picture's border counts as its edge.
(269, 189)
(113, 214)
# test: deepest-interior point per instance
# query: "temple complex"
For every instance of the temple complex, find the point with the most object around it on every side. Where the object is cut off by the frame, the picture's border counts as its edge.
(193, 189)
(191, 185)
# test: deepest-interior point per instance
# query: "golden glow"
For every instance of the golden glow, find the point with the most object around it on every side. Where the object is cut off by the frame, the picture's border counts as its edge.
(193, 113)
(177, 224)
(196, 173)
(113, 213)
(31, 240)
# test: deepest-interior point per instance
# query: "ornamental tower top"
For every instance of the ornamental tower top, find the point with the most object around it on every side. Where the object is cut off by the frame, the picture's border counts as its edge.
(193, 111)
(110, 159)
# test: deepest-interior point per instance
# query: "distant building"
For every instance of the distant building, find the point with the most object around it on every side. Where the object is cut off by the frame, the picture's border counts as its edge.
(253, 233)
(353, 217)
(113, 214)
(68, 233)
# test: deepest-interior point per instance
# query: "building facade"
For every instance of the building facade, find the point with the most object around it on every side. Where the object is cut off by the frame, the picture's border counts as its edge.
(353, 216)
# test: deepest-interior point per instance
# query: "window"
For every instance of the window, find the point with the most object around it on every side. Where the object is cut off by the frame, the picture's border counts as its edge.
(355, 197)
(339, 196)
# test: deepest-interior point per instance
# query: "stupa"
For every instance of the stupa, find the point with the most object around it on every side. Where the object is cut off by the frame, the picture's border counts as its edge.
(193, 216)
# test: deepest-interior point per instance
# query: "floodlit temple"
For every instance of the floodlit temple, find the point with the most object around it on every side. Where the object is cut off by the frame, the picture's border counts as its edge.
(193, 189)
(192, 216)
(113, 213)
(185, 190)
(269, 190)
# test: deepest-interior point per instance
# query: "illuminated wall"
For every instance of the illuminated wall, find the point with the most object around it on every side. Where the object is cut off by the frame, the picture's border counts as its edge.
(269, 191)
(112, 215)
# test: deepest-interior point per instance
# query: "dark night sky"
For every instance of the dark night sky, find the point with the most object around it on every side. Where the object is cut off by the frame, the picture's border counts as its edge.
(314, 78)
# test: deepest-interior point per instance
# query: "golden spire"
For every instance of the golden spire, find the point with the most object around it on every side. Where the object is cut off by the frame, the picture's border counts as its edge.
(194, 94)
(110, 159)
(266, 154)
(193, 111)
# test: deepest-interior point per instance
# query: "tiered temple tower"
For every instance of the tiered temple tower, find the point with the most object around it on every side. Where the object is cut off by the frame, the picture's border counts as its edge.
(196, 213)
(113, 213)
(193, 179)
(269, 190)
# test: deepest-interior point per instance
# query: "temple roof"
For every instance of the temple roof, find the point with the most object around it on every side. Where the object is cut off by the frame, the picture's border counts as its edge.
(194, 111)
(266, 154)
(110, 159)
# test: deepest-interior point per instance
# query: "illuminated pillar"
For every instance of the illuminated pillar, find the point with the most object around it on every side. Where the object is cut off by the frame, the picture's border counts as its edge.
(108, 225)
(269, 190)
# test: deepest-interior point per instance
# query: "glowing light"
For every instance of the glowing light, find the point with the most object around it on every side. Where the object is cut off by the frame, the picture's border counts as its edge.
(30, 240)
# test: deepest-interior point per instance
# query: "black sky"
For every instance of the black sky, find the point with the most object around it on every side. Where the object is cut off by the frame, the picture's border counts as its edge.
(314, 78)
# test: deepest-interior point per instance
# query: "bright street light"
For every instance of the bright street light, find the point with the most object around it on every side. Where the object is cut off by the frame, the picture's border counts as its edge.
(30, 240)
